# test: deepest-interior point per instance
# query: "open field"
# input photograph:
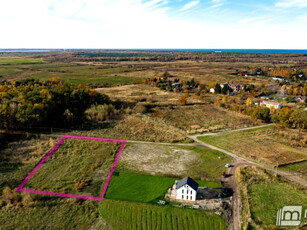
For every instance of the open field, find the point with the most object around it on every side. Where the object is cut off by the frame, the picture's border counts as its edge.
(202, 118)
(263, 195)
(18, 157)
(18, 68)
(175, 161)
(133, 127)
(128, 215)
(262, 144)
(143, 188)
(77, 167)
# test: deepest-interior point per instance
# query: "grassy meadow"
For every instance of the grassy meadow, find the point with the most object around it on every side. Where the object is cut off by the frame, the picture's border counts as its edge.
(261, 144)
(128, 215)
(77, 167)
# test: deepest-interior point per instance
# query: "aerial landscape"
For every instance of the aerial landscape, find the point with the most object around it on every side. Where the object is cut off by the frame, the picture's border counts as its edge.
(144, 137)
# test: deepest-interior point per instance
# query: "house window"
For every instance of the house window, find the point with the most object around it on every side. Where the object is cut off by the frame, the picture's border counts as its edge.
(191, 197)
(182, 191)
(182, 197)
(191, 191)
(187, 197)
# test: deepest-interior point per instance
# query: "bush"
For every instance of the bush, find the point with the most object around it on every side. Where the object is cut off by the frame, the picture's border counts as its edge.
(183, 100)
(27, 200)
(142, 108)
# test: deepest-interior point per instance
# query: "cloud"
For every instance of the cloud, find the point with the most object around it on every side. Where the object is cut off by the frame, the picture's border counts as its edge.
(135, 24)
(254, 20)
(291, 3)
(217, 3)
(189, 5)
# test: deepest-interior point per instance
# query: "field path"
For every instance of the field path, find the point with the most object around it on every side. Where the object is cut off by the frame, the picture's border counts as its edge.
(238, 162)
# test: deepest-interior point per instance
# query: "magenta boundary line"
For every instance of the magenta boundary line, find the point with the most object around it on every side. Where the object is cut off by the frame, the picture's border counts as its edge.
(21, 189)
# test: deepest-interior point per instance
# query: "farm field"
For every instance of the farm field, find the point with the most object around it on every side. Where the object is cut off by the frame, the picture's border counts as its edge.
(175, 161)
(144, 188)
(262, 144)
(202, 118)
(266, 195)
(77, 167)
(20, 68)
(128, 215)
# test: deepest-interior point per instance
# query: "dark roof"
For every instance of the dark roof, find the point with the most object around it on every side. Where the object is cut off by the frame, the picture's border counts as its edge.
(189, 181)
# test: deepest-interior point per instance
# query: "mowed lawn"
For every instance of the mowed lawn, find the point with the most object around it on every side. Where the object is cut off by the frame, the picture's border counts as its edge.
(77, 167)
(261, 144)
(143, 188)
(11, 61)
(122, 215)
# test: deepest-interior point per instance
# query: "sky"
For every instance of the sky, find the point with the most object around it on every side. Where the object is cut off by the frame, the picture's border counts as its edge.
(154, 24)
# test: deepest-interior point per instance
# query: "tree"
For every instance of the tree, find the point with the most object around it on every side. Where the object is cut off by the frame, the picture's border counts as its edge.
(249, 102)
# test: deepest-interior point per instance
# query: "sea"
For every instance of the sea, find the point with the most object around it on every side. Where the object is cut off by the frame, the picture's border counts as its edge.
(263, 51)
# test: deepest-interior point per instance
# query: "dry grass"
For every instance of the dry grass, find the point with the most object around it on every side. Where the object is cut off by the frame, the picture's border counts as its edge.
(175, 161)
(202, 118)
(157, 159)
(133, 127)
(264, 145)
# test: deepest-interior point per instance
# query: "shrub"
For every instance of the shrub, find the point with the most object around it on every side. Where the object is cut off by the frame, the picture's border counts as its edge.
(183, 99)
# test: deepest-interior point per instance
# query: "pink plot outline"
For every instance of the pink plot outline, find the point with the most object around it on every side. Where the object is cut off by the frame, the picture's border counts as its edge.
(21, 189)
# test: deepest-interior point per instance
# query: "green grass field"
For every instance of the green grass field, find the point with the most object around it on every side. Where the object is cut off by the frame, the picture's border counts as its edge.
(130, 216)
(76, 160)
(211, 163)
(143, 188)
(297, 167)
(12, 61)
(267, 198)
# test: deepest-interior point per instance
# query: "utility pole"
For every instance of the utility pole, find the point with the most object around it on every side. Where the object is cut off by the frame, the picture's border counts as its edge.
(276, 169)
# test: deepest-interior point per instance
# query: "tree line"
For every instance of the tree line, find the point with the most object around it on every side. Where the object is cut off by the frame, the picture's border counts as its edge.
(52, 103)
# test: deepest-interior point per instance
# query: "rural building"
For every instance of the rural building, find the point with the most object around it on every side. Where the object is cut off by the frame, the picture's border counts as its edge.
(270, 104)
(186, 189)
(278, 78)
(234, 87)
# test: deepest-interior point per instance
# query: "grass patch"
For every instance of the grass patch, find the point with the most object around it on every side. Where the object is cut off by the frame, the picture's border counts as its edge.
(297, 167)
(77, 167)
(11, 61)
(263, 144)
(126, 215)
(50, 214)
(267, 198)
(211, 163)
(143, 188)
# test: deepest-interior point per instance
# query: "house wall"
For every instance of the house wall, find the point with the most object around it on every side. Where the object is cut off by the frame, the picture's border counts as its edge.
(186, 193)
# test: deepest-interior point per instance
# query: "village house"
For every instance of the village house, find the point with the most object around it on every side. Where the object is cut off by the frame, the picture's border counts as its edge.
(270, 104)
(234, 87)
(278, 78)
(186, 189)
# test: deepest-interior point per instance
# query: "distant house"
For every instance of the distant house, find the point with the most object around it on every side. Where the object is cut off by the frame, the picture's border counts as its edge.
(270, 104)
(212, 90)
(278, 78)
(234, 87)
(186, 189)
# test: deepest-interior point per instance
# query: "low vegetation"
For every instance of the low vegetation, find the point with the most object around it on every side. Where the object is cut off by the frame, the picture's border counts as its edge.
(77, 167)
(262, 195)
(175, 161)
(127, 215)
(270, 144)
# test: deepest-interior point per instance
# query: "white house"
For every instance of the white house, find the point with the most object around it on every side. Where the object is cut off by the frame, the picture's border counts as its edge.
(270, 104)
(186, 189)
(212, 90)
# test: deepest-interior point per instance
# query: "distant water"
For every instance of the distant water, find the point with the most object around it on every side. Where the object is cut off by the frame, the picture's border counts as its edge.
(263, 51)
